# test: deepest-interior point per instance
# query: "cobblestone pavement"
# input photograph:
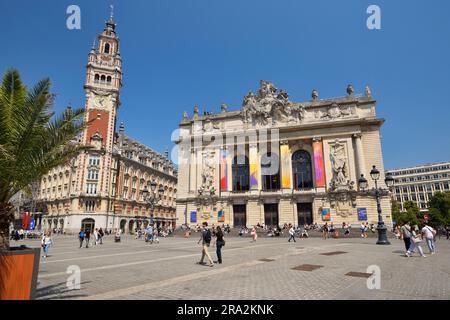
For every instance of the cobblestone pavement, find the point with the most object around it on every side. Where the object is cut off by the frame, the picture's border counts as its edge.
(135, 270)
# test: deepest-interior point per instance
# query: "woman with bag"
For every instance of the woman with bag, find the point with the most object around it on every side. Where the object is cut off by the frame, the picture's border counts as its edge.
(46, 242)
(220, 242)
(416, 239)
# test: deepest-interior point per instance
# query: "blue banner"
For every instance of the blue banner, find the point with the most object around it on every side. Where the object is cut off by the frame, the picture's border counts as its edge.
(362, 214)
(32, 224)
(193, 216)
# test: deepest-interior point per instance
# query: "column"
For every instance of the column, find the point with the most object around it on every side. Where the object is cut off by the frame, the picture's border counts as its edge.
(286, 170)
(360, 164)
(254, 166)
(192, 171)
(319, 168)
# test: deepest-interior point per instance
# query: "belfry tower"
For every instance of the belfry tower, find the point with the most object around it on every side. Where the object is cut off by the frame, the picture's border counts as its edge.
(102, 88)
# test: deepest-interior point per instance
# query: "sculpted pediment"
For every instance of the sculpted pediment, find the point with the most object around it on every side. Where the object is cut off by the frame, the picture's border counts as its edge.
(270, 106)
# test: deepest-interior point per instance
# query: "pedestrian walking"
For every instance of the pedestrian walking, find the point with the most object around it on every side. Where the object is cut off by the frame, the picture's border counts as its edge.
(429, 234)
(416, 240)
(95, 234)
(117, 235)
(81, 236)
(46, 242)
(406, 235)
(205, 238)
(101, 234)
(291, 234)
(325, 230)
(254, 234)
(87, 237)
(220, 242)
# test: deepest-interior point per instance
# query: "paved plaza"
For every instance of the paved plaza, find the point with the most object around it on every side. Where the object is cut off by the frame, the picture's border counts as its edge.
(136, 270)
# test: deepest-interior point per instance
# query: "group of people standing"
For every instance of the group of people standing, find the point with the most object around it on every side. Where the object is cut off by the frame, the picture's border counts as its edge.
(413, 237)
(85, 236)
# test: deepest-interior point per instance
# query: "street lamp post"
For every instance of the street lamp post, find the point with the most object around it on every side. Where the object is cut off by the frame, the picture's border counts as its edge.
(362, 182)
(152, 200)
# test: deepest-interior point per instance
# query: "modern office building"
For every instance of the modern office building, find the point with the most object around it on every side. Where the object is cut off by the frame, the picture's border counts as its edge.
(418, 184)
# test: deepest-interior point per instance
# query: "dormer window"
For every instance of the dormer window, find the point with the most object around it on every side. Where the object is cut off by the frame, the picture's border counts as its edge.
(107, 48)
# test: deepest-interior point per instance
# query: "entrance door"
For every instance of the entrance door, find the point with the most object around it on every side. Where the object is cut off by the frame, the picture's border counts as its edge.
(88, 224)
(304, 213)
(271, 214)
(239, 215)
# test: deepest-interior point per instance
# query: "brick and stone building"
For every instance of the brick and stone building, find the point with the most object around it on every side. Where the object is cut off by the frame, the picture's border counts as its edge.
(275, 161)
(102, 188)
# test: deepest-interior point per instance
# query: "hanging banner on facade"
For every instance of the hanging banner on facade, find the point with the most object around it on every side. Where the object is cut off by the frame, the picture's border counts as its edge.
(285, 167)
(362, 214)
(326, 214)
(32, 224)
(319, 167)
(223, 171)
(254, 168)
(221, 216)
(193, 216)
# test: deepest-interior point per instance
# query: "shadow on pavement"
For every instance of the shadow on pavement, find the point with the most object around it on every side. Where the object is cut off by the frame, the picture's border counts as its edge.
(58, 291)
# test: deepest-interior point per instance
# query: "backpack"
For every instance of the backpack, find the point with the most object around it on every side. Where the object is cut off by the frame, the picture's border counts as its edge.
(81, 234)
(207, 236)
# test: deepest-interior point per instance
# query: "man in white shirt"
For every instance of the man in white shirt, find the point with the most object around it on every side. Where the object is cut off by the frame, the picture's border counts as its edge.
(429, 233)
(292, 234)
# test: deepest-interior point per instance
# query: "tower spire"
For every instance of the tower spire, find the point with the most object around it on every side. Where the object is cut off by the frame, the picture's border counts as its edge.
(112, 11)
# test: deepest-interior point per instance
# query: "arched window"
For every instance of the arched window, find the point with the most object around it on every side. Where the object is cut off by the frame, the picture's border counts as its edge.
(108, 80)
(302, 170)
(107, 47)
(96, 78)
(241, 175)
(103, 78)
(270, 171)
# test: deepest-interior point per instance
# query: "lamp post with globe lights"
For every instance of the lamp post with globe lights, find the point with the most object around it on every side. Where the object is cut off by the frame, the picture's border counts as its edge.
(378, 192)
(152, 198)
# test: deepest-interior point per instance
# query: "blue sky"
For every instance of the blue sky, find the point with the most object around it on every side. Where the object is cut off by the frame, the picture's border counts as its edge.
(179, 53)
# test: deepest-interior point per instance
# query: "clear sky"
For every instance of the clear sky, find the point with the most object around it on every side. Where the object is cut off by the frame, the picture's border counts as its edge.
(178, 53)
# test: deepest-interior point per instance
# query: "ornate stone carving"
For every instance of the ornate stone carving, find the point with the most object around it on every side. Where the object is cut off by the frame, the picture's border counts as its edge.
(350, 90)
(208, 170)
(334, 112)
(339, 167)
(314, 94)
(223, 107)
(209, 126)
(368, 92)
(270, 104)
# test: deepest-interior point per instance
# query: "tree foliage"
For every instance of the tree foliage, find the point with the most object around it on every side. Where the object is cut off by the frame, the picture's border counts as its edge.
(439, 209)
(33, 140)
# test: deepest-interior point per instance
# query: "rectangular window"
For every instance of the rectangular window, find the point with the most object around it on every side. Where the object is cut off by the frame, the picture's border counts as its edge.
(90, 206)
(94, 160)
(91, 188)
(92, 175)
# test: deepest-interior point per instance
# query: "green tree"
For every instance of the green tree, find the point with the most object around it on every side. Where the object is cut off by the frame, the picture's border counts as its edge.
(439, 209)
(411, 214)
(33, 140)
(396, 212)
